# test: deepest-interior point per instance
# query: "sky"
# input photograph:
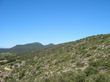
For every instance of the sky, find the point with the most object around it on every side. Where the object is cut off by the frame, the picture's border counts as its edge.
(51, 21)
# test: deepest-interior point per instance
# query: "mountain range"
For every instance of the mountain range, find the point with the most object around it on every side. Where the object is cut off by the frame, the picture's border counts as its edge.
(24, 48)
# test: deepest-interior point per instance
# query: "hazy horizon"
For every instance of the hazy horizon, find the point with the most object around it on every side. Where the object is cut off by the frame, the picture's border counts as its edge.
(49, 43)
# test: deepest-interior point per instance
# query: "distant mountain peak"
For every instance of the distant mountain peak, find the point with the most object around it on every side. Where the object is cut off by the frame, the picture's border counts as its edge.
(22, 48)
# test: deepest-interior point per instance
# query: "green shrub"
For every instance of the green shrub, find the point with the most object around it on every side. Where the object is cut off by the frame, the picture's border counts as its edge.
(90, 71)
(99, 78)
(79, 64)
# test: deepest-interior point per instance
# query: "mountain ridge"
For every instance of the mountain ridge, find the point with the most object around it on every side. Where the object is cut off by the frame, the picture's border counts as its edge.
(23, 48)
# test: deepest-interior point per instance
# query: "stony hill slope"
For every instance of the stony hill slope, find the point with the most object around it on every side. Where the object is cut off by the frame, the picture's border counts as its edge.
(84, 60)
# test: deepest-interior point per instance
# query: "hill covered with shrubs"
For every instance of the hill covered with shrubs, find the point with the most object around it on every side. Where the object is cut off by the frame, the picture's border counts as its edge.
(84, 60)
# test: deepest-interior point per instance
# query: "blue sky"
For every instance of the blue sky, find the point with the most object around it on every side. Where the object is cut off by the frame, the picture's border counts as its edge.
(52, 21)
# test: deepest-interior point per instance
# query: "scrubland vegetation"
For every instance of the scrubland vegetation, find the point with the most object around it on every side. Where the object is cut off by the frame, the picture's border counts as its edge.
(84, 60)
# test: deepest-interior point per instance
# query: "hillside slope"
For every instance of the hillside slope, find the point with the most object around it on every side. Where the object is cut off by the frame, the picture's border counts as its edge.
(85, 60)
